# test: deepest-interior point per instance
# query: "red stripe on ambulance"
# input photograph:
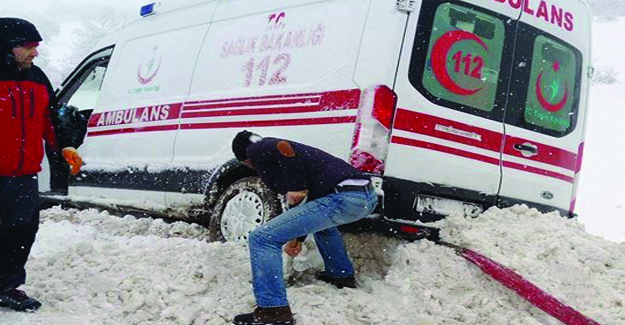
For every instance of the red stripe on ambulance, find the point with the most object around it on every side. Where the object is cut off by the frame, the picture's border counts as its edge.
(445, 149)
(539, 171)
(337, 96)
(243, 107)
(287, 122)
(254, 111)
(334, 100)
(455, 131)
(134, 130)
(546, 154)
(228, 103)
(447, 129)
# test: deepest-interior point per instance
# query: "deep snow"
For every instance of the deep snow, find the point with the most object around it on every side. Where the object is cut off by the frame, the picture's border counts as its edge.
(601, 192)
(89, 267)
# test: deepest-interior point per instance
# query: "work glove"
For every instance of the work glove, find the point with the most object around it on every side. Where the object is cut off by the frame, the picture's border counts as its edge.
(73, 159)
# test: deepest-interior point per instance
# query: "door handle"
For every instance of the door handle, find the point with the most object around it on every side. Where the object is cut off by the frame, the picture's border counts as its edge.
(527, 149)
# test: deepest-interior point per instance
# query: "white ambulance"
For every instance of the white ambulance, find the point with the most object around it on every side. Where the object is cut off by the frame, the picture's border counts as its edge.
(454, 106)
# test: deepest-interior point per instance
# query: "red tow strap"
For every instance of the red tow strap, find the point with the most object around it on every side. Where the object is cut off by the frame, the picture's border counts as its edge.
(524, 288)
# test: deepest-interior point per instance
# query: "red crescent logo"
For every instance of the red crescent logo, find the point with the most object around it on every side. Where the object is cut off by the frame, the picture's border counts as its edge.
(147, 79)
(543, 101)
(439, 59)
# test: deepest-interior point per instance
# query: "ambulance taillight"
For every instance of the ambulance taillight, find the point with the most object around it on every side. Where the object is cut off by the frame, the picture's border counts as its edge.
(373, 129)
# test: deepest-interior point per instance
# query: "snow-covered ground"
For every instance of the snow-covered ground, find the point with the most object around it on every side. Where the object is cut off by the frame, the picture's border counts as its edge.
(91, 268)
(88, 267)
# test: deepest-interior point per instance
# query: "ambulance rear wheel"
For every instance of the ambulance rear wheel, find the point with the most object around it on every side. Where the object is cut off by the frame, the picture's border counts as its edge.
(244, 206)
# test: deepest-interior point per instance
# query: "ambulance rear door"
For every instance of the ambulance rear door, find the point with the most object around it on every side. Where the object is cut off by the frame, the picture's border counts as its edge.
(547, 106)
(448, 130)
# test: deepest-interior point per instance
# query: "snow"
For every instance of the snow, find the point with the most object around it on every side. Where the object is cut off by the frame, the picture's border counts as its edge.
(88, 267)
(600, 199)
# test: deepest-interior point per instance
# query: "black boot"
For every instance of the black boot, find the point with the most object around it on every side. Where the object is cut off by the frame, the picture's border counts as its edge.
(18, 300)
(266, 316)
(348, 282)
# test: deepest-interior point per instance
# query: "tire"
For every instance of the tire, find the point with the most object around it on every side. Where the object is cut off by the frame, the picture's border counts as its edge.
(243, 206)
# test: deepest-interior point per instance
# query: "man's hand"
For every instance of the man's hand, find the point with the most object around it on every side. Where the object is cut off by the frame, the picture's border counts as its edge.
(293, 247)
(73, 159)
(294, 198)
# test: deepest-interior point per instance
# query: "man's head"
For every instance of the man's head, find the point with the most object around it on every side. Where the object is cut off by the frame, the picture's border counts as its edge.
(18, 42)
(240, 143)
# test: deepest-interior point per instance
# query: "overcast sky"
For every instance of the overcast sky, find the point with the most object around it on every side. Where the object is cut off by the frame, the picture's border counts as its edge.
(64, 9)
(63, 6)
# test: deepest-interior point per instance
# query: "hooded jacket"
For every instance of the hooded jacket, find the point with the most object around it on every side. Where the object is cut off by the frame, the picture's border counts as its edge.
(26, 102)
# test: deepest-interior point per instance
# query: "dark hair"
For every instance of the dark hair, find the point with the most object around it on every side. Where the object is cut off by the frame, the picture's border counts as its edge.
(240, 143)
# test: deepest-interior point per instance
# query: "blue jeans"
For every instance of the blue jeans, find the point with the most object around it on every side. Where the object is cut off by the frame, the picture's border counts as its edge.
(320, 216)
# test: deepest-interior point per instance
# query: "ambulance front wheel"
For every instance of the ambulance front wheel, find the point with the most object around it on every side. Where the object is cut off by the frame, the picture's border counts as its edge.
(244, 205)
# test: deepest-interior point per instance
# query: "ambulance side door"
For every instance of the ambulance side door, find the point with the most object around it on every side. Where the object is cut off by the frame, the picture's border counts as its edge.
(78, 97)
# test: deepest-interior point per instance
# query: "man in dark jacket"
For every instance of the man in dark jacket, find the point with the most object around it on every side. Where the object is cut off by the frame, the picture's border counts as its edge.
(27, 101)
(324, 192)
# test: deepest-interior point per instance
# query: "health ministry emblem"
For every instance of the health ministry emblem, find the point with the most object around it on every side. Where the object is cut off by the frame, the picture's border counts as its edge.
(553, 103)
(148, 68)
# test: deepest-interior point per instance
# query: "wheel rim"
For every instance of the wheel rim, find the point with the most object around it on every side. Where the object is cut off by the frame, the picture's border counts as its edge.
(242, 214)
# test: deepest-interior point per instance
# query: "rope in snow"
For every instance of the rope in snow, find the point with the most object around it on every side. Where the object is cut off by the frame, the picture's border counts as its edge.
(524, 288)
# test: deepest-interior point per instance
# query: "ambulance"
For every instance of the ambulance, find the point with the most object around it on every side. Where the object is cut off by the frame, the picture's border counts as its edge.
(453, 106)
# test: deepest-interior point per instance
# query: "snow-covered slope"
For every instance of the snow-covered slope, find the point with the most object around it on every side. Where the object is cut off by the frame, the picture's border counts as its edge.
(91, 268)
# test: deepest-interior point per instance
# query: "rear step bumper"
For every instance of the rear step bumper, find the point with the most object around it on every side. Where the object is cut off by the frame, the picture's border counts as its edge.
(401, 201)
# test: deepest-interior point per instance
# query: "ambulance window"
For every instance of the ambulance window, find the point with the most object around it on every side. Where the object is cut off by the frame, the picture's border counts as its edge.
(88, 89)
(457, 58)
(82, 88)
(548, 98)
(551, 97)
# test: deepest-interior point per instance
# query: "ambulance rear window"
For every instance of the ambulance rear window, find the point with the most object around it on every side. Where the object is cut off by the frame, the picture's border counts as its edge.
(546, 99)
(457, 57)
(551, 96)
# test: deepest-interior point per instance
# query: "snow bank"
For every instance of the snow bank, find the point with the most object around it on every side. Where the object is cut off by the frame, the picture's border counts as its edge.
(91, 268)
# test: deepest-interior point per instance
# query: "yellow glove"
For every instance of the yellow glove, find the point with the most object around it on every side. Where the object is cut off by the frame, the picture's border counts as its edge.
(73, 159)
